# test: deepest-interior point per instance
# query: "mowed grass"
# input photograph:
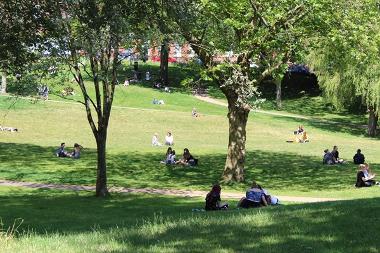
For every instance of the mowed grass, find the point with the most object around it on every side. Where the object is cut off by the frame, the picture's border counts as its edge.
(284, 168)
(56, 221)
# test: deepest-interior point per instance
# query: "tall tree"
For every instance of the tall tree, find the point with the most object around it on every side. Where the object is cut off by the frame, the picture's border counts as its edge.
(347, 59)
(21, 29)
(261, 33)
(89, 34)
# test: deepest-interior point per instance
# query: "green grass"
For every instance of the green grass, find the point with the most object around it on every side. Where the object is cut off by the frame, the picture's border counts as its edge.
(78, 222)
(63, 221)
(287, 169)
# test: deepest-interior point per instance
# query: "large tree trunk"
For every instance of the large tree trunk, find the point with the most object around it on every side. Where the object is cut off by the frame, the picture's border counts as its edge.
(278, 94)
(101, 177)
(237, 118)
(164, 63)
(3, 88)
(372, 122)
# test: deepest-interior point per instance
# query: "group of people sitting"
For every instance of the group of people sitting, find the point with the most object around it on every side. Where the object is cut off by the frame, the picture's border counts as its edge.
(186, 160)
(73, 154)
(331, 158)
(169, 139)
(256, 196)
(300, 135)
(365, 177)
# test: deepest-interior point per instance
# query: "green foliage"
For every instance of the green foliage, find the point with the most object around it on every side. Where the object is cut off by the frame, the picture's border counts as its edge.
(347, 59)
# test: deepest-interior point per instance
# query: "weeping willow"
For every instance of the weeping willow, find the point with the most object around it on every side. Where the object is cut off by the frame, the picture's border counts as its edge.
(347, 60)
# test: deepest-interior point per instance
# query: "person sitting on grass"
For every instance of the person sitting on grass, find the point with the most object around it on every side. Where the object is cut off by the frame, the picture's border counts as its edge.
(169, 139)
(194, 113)
(359, 157)
(187, 159)
(167, 155)
(155, 141)
(328, 158)
(335, 154)
(364, 178)
(213, 201)
(61, 151)
(299, 130)
(254, 197)
(76, 152)
(171, 159)
(302, 138)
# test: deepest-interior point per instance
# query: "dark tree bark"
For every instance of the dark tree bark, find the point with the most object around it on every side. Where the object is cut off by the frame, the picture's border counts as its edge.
(101, 175)
(164, 63)
(237, 118)
(372, 122)
(278, 94)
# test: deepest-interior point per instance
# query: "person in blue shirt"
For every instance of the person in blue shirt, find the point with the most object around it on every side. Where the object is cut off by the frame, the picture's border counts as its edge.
(254, 197)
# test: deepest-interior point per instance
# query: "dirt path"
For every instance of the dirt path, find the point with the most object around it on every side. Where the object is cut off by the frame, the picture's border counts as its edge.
(169, 192)
(217, 102)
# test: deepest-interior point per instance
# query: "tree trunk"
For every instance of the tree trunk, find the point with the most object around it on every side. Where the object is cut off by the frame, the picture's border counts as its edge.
(278, 94)
(372, 122)
(3, 82)
(101, 177)
(164, 63)
(237, 118)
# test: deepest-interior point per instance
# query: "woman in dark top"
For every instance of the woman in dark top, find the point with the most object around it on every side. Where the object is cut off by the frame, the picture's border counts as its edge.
(187, 159)
(213, 201)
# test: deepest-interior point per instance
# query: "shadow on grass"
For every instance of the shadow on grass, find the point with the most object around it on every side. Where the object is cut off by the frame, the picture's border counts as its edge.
(279, 171)
(141, 222)
(322, 227)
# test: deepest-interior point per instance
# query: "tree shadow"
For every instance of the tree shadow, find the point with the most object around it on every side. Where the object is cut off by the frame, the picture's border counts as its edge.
(141, 222)
(320, 227)
(276, 170)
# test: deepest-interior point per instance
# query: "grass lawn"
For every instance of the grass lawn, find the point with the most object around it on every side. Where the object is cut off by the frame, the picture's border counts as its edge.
(284, 168)
(63, 221)
(55, 221)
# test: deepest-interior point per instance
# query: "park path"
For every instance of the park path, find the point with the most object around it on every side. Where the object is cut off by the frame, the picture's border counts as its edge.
(169, 192)
(281, 114)
(218, 102)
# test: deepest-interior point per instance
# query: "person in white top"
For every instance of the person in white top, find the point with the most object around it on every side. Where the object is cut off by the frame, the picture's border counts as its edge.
(169, 139)
(155, 141)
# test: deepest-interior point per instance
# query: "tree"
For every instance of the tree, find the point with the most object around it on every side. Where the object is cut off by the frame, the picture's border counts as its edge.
(347, 59)
(21, 31)
(264, 34)
(88, 34)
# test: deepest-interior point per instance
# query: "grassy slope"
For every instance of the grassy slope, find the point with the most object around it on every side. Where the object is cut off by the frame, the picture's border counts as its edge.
(291, 169)
(70, 222)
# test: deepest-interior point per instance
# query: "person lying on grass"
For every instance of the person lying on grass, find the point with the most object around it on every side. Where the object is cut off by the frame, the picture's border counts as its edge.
(254, 197)
(213, 201)
(10, 129)
(187, 159)
(364, 178)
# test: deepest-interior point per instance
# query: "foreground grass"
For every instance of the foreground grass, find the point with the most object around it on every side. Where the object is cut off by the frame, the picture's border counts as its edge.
(71, 222)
